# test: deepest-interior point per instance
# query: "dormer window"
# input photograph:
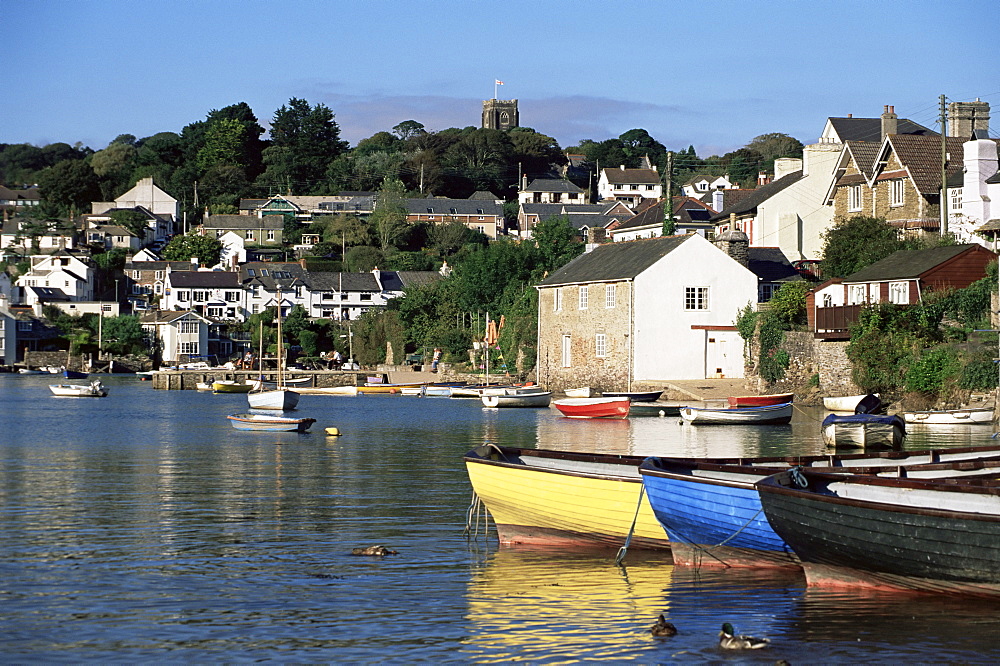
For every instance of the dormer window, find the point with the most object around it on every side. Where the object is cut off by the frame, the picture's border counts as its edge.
(430, 211)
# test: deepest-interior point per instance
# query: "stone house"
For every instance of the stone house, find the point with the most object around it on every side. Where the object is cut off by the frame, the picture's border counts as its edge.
(901, 278)
(644, 311)
(145, 281)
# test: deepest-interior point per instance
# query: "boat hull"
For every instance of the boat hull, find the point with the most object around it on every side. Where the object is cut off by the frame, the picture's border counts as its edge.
(768, 415)
(518, 400)
(260, 423)
(653, 409)
(760, 400)
(278, 399)
(845, 403)
(556, 499)
(231, 387)
(593, 408)
(863, 431)
(581, 392)
(713, 518)
(78, 391)
(950, 417)
(880, 533)
(634, 396)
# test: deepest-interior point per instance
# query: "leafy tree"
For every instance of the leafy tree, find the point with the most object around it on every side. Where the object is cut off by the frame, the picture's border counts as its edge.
(304, 140)
(535, 152)
(363, 258)
(637, 143)
(856, 242)
(114, 166)
(123, 335)
(408, 261)
(132, 220)
(224, 141)
(380, 142)
(448, 238)
(183, 248)
(557, 243)
(388, 220)
(774, 145)
(408, 129)
(69, 185)
(342, 230)
(482, 158)
(788, 304)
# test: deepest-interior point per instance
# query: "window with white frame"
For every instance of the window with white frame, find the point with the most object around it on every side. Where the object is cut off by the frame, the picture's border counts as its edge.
(567, 344)
(182, 294)
(190, 348)
(199, 295)
(270, 234)
(896, 189)
(584, 296)
(854, 198)
(601, 345)
(899, 293)
(249, 234)
(695, 298)
(232, 296)
(158, 275)
(557, 299)
(827, 300)
(956, 198)
(855, 294)
(610, 292)
(215, 311)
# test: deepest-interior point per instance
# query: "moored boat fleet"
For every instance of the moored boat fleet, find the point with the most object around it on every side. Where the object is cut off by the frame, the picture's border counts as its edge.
(882, 517)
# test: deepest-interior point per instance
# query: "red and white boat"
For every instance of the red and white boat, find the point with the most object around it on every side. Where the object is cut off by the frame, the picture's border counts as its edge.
(593, 408)
(760, 400)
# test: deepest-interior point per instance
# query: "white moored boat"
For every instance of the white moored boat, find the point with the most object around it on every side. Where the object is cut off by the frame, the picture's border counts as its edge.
(582, 392)
(768, 414)
(94, 390)
(279, 398)
(950, 416)
(844, 403)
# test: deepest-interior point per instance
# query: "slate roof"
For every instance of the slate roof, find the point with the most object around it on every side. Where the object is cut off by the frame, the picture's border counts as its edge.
(333, 281)
(480, 195)
(417, 278)
(205, 279)
(760, 195)
(542, 210)
(908, 264)
(730, 197)
(271, 274)
(614, 261)
(460, 207)
(770, 264)
(166, 316)
(628, 176)
(870, 129)
(580, 221)
(159, 266)
(551, 185)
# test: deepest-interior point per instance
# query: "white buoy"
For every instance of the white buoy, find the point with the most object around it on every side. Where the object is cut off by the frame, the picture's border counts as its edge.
(334, 432)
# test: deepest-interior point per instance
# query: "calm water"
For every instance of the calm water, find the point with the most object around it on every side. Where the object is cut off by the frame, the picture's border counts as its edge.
(142, 527)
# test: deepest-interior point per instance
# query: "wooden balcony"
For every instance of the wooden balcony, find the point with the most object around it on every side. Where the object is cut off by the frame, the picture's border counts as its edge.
(834, 323)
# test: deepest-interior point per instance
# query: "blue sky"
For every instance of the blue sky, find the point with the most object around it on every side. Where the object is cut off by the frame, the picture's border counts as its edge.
(710, 73)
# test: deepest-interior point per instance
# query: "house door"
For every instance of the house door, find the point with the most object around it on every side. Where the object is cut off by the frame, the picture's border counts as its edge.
(723, 355)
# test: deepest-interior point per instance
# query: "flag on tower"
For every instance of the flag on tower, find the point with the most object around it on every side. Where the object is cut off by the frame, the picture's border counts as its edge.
(499, 82)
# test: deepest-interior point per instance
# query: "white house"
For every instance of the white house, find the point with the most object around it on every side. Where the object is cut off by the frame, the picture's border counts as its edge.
(645, 311)
(165, 209)
(178, 334)
(629, 185)
(8, 334)
(699, 186)
(215, 294)
(790, 212)
(977, 200)
(551, 191)
(66, 273)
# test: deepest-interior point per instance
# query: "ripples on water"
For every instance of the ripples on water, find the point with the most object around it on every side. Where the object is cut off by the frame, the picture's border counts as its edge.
(143, 527)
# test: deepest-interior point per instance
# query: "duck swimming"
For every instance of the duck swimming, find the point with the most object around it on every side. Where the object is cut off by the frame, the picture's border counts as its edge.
(663, 628)
(728, 640)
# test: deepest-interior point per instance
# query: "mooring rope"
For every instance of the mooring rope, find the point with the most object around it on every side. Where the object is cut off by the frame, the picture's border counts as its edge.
(628, 539)
(707, 550)
(477, 512)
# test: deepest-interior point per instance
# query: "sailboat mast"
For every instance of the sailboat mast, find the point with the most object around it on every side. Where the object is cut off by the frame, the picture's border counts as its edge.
(281, 346)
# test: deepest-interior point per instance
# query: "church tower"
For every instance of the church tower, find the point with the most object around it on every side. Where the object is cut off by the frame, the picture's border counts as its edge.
(500, 114)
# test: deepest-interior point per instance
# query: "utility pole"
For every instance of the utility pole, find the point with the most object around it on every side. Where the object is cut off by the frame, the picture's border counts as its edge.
(668, 202)
(944, 167)
(421, 178)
